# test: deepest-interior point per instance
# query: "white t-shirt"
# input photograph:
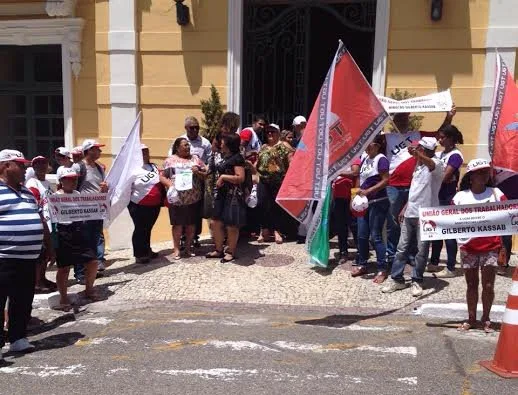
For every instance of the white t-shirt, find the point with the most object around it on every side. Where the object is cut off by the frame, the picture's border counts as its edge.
(424, 189)
(41, 191)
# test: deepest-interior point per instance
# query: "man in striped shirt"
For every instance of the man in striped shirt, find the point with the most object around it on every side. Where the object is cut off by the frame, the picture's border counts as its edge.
(22, 235)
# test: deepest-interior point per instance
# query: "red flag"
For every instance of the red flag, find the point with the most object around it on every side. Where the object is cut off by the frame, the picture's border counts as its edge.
(503, 133)
(346, 117)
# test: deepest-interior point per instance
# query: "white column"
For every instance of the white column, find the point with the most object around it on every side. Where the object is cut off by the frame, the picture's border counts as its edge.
(122, 44)
(379, 69)
(234, 54)
(502, 36)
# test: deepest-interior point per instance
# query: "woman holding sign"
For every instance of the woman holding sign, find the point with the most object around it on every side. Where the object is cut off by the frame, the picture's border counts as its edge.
(183, 175)
(479, 253)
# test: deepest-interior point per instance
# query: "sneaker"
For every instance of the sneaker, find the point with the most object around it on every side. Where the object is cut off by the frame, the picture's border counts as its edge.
(433, 268)
(153, 255)
(392, 286)
(21, 345)
(445, 273)
(101, 266)
(417, 289)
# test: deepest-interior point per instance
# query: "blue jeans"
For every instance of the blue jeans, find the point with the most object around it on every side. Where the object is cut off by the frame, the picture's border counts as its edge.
(451, 247)
(372, 225)
(398, 197)
(409, 233)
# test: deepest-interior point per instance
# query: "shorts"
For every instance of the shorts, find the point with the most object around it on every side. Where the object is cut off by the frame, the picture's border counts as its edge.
(474, 261)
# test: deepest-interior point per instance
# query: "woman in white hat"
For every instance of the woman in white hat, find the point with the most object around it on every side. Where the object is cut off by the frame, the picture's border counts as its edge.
(479, 253)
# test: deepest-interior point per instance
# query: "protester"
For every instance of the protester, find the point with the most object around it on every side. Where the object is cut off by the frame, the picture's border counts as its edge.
(200, 146)
(229, 122)
(20, 248)
(373, 181)
(92, 180)
(41, 189)
(147, 195)
(342, 218)
(479, 253)
(229, 212)
(184, 173)
(77, 154)
(448, 136)
(272, 165)
(402, 165)
(287, 136)
(424, 192)
(211, 178)
(72, 246)
(298, 126)
(252, 138)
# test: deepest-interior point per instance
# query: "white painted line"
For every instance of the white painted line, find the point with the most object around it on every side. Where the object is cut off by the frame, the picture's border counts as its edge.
(510, 317)
(389, 350)
(303, 347)
(101, 340)
(514, 289)
(190, 321)
(457, 311)
(112, 372)
(355, 327)
(223, 374)
(240, 345)
(318, 348)
(96, 321)
(408, 380)
(44, 371)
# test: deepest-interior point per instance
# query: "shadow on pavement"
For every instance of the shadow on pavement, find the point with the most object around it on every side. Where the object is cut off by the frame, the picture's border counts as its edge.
(53, 342)
(137, 268)
(341, 321)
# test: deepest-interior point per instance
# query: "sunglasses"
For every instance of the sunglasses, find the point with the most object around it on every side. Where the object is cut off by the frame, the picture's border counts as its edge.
(193, 127)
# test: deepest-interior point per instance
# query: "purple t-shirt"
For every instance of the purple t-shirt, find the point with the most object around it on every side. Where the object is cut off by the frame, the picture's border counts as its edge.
(370, 174)
(448, 190)
(510, 187)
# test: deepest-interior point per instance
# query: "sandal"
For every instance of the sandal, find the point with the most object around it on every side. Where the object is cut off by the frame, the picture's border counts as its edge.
(278, 239)
(380, 277)
(65, 307)
(464, 327)
(487, 327)
(189, 254)
(215, 254)
(358, 271)
(228, 258)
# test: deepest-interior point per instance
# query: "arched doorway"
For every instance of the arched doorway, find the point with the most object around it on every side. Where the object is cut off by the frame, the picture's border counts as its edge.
(288, 47)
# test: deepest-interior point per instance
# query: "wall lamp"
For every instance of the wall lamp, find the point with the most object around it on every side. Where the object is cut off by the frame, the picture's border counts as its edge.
(436, 12)
(182, 13)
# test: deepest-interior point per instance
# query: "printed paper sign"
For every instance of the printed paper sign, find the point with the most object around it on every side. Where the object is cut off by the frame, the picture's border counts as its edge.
(435, 102)
(183, 179)
(78, 207)
(474, 220)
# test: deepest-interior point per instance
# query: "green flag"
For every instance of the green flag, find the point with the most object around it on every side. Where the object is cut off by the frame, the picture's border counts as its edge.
(318, 234)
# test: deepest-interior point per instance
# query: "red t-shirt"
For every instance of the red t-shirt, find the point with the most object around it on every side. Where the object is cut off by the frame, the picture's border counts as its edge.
(342, 185)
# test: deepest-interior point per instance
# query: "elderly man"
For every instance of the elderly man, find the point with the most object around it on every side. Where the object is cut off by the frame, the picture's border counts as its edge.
(23, 233)
(424, 192)
(200, 146)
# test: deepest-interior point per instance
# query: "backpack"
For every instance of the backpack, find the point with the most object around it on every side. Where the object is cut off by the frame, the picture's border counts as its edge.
(82, 173)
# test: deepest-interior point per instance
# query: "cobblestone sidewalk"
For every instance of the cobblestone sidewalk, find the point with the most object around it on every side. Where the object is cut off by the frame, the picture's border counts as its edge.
(266, 274)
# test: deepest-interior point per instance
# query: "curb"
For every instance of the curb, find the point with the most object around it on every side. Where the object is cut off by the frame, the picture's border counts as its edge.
(456, 311)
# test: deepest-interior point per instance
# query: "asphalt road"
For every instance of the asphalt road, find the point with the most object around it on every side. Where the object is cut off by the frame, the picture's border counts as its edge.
(182, 348)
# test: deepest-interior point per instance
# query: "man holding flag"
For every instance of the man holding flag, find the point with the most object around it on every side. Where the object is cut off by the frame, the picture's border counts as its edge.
(346, 117)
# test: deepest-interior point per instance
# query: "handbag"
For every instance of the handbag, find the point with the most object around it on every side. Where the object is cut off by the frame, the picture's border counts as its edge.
(234, 211)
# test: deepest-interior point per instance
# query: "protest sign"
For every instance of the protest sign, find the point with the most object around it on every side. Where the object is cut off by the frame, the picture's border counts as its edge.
(435, 102)
(465, 221)
(78, 207)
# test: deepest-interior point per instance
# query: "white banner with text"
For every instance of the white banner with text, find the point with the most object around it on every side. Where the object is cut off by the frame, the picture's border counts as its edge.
(435, 102)
(78, 207)
(474, 220)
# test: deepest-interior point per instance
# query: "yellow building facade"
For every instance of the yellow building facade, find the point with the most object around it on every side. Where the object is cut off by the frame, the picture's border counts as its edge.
(119, 57)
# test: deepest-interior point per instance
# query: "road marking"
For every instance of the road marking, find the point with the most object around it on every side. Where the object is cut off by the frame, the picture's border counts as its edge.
(318, 348)
(240, 345)
(112, 372)
(223, 374)
(408, 380)
(390, 350)
(356, 327)
(100, 340)
(96, 321)
(44, 371)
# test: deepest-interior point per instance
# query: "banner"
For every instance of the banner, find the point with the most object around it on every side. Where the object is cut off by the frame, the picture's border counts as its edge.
(464, 222)
(78, 207)
(125, 168)
(435, 102)
(319, 245)
(503, 131)
(346, 117)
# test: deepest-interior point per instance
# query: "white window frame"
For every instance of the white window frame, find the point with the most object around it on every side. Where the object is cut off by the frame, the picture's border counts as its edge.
(235, 51)
(66, 32)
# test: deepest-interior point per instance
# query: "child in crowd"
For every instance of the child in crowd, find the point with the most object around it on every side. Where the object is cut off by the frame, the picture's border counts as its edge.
(71, 246)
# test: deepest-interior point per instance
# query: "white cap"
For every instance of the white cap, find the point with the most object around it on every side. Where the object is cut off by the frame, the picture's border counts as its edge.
(38, 158)
(298, 120)
(477, 164)
(143, 146)
(273, 126)
(66, 172)
(90, 143)
(8, 155)
(77, 150)
(62, 151)
(429, 143)
(360, 203)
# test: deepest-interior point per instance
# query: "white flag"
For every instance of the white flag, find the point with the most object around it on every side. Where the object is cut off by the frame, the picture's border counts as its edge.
(123, 172)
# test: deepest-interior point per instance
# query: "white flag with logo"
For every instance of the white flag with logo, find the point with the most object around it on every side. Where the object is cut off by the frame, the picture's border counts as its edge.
(123, 172)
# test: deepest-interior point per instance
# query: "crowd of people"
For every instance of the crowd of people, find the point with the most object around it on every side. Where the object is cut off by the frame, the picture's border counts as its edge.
(233, 181)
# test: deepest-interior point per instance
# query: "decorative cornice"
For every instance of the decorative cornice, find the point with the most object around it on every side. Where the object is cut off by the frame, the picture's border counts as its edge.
(66, 31)
(61, 8)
